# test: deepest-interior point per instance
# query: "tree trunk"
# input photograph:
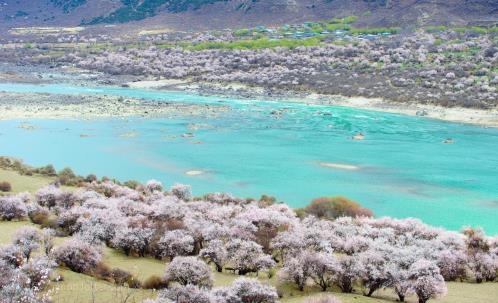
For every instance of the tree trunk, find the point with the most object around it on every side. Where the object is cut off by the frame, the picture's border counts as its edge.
(219, 268)
(346, 286)
(371, 290)
(197, 248)
(323, 285)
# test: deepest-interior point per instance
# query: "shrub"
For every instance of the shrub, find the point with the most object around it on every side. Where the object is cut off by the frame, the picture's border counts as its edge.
(153, 186)
(335, 207)
(298, 269)
(154, 282)
(12, 208)
(123, 278)
(182, 191)
(66, 176)
(50, 222)
(48, 170)
(323, 267)
(38, 215)
(324, 299)
(47, 196)
(248, 256)
(186, 294)
(215, 251)
(348, 271)
(245, 290)
(90, 178)
(5, 186)
(78, 256)
(132, 184)
(27, 239)
(132, 240)
(102, 272)
(242, 32)
(427, 280)
(266, 201)
(176, 243)
(10, 255)
(38, 272)
(25, 282)
(48, 235)
(189, 270)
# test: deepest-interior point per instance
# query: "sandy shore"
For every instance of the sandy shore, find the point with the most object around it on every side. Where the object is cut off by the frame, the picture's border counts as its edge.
(49, 106)
(486, 118)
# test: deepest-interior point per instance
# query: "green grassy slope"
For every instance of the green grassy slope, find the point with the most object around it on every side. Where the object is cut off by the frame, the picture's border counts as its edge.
(23, 183)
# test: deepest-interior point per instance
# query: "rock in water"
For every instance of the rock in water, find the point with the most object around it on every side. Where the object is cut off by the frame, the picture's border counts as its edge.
(359, 136)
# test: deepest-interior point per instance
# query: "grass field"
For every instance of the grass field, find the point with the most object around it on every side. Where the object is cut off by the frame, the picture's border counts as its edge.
(23, 183)
(79, 288)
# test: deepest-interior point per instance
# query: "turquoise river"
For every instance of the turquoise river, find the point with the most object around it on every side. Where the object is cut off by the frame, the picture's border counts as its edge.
(401, 169)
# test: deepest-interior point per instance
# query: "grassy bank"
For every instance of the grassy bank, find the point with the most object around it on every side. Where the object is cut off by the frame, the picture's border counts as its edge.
(82, 288)
(256, 44)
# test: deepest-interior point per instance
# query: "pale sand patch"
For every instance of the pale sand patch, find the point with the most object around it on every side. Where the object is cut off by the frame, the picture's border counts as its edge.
(45, 30)
(339, 166)
(59, 106)
(131, 134)
(194, 172)
(155, 83)
(197, 126)
(26, 126)
(359, 136)
(154, 31)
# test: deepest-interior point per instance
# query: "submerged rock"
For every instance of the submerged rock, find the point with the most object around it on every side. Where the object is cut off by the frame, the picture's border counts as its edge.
(358, 136)
(131, 134)
(422, 113)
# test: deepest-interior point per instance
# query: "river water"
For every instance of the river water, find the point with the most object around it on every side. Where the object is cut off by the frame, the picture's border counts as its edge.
(401, 168)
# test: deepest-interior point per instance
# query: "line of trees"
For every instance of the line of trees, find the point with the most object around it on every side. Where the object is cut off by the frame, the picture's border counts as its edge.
(333, 242)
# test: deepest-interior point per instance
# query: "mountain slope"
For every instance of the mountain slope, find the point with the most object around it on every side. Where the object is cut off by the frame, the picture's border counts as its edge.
(133, 10)
(15, 13)
(201, 14)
